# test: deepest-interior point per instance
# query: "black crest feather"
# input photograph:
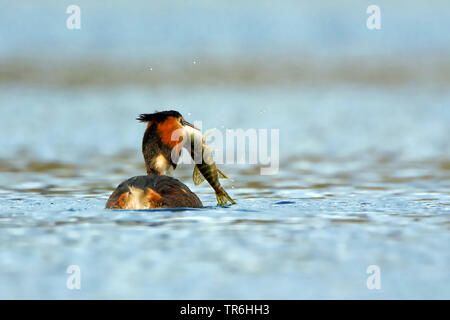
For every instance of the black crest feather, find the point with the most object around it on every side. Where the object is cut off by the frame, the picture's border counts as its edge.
(158, 116)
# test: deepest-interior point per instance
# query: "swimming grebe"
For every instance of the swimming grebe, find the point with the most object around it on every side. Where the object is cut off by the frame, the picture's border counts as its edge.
(156, 189)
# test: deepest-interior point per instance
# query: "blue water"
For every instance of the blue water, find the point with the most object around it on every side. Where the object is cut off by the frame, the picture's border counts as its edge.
(308, 249)
(367, 189)
(364, 176)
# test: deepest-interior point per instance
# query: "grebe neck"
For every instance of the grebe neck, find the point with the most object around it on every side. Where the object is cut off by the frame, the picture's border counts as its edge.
(157, 165)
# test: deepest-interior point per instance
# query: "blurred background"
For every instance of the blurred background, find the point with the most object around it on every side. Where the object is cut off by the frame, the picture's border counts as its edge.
(313, 70)
(364, 147)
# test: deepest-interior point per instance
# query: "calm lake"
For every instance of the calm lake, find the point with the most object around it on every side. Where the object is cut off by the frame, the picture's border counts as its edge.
(364, 176)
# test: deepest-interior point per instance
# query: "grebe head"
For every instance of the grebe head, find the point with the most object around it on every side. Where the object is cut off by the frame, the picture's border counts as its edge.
(159, 145)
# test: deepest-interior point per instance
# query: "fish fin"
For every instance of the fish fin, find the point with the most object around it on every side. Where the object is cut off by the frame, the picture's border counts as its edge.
(223, 198)
(197, 176)
(223, 175)
(205, 137)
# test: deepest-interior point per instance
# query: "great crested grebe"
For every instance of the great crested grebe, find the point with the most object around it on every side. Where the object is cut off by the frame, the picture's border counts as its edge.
(156, 189)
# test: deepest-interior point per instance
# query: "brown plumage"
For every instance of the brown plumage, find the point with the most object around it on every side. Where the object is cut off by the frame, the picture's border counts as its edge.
(156, 189)
(145, 192)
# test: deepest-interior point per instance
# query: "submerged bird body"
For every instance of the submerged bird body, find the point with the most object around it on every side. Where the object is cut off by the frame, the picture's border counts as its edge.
(152, 191)
(161, 149)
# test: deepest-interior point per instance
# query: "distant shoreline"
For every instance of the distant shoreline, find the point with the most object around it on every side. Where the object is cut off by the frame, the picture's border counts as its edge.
(363, 71)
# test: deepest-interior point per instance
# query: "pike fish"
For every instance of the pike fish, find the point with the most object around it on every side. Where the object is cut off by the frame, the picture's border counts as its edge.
(205, 168)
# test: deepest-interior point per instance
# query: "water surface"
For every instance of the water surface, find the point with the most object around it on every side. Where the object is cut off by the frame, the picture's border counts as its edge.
(364, 180)
(363, 117)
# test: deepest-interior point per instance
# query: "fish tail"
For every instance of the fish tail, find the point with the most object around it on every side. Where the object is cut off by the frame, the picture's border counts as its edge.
(223, 197)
